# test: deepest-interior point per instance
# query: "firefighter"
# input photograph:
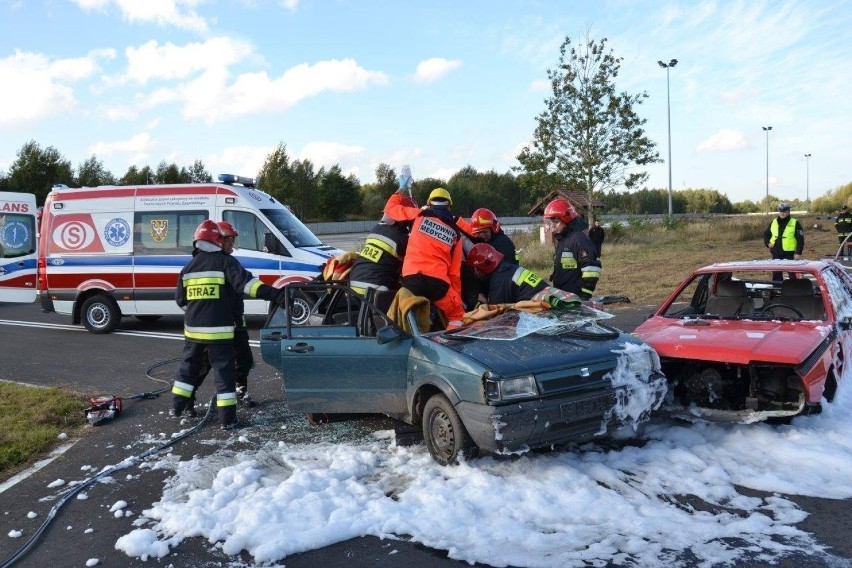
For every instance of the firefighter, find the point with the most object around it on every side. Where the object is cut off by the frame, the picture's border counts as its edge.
(243, 358)
(575, 263)
(597, 236)
(486, 229)
(432, 264)
(207, 289)
(843, 224)
(379, 263)
(506, 282)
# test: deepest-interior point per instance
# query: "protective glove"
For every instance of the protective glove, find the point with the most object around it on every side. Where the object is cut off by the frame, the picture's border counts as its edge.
(557, 298)
(455, 324)
(405, 181)
(279, 297)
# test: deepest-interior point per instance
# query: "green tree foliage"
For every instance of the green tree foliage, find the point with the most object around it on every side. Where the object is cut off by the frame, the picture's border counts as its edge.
(275, 177)
(92, 173)
(338, 195)
(137, 176)
(421, 189)
(304, 186)
(198, 173)
(37, 169)
(374, 195)
(833, 199)
(589, 136)
(170, 173)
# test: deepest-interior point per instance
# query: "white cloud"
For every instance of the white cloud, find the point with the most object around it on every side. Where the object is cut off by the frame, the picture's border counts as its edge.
(539, 86)
(512, 154)
(178, 13)
(170, 61)
(724, 141)
(290, 4)
(239, 160)
(136, 149)
(435, 68)
(41, 85)
(443, 173)
(330, 153)
(212, 98)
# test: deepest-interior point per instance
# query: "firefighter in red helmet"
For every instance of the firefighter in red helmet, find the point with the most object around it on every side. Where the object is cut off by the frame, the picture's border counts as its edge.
(576, 267)
(207, 289)
(507, 283)
(485, 228)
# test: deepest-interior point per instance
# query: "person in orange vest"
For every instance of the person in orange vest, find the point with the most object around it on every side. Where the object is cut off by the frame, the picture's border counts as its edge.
(432, 264)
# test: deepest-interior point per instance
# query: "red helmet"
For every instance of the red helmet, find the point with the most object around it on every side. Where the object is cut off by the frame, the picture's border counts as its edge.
(483, 219)
(561, 209)
(227, 229)
(208, 231)
(484, 257)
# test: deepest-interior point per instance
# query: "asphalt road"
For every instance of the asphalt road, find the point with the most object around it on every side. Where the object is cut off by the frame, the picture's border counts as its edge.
(44, 349)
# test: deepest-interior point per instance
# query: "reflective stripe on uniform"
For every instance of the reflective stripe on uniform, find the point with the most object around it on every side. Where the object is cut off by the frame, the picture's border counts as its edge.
(209, 277)
(252, 286)
(525, 276)
(591, 272)
(226, 399)
(182, 389)
(382, 242)
(361, 287)
(217, 333)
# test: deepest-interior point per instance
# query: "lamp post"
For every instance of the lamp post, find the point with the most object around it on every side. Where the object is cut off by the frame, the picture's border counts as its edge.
(668, 66)
(767, 129)
(808, 181)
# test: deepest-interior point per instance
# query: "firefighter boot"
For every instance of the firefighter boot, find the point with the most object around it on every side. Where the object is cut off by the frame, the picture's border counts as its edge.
(178, 406)
(228, 417)
(244, 398)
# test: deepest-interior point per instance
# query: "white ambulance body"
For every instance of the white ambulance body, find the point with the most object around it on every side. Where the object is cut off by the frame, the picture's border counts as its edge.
(114, 251)
(18, 247)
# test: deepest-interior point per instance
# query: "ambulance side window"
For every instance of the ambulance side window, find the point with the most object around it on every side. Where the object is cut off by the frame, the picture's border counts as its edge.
(250, 228)
(165, 232)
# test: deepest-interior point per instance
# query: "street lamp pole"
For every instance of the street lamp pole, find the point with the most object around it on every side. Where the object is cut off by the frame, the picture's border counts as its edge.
(668, 66)
(808, 180)
(767, 129)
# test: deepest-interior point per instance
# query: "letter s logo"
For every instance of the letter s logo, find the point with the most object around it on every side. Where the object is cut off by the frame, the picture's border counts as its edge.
(74, 235)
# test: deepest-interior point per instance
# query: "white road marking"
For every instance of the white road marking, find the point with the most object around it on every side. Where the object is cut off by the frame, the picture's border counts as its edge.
(15, 479)
(67, 327)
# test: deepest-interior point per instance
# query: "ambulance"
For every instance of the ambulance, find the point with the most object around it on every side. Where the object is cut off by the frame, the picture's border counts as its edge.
(18, 247)
(114, 251)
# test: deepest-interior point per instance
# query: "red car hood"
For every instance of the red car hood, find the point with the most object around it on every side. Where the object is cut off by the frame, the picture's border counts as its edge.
(733, 341)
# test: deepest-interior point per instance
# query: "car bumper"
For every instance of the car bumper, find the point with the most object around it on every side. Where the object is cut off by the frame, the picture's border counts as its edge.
(537, 423)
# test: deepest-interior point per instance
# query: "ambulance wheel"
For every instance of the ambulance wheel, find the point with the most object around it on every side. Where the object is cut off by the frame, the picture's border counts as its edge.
(301, 309)
(100, 314)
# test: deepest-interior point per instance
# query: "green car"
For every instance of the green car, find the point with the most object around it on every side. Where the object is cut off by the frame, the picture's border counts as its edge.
(506, 385)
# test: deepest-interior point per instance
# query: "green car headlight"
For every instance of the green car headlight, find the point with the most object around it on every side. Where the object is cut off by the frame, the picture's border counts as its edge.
(518, 387)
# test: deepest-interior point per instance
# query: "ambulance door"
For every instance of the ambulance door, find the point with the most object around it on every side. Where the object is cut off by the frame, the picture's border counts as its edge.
(251, 253)
(18, 247)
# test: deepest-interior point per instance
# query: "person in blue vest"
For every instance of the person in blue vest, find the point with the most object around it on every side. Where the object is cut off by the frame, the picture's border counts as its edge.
(784, 237)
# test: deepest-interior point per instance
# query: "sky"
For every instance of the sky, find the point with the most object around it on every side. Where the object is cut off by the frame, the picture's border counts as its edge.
(437, 85)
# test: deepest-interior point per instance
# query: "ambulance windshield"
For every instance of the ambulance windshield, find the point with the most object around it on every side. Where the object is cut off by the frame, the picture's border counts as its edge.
(292, 229)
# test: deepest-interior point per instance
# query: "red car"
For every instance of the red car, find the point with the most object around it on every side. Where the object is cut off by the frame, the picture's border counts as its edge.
(754, 340)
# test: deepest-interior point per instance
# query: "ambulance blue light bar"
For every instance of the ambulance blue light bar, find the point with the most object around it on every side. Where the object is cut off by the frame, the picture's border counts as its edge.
(231, 178)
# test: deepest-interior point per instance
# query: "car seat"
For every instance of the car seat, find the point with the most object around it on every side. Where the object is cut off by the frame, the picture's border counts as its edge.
(730, 300)
(799, 293)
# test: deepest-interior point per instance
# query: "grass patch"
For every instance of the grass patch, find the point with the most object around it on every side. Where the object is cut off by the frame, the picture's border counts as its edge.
(31, 418)
(645, 261)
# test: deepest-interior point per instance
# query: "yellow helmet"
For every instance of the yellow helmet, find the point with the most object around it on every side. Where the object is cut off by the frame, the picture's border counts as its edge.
(440, 194)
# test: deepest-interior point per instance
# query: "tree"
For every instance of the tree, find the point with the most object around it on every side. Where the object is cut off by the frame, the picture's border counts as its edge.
(169, 173)
(36, 170)
(305, 191)
(589, 136)
(338, 195)
(275, 177)
(92, 173)
(198, 173)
